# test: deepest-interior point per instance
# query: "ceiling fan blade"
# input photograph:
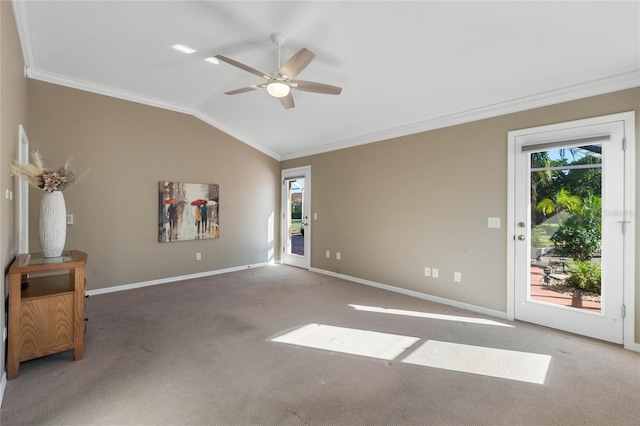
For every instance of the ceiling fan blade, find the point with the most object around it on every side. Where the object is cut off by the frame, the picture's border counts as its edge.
(296, 64)
(244, 67)
(312, 86)
(243, 90)
(287, 101)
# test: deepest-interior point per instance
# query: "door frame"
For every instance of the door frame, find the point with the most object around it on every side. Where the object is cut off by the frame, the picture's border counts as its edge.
(628, 118)
(297, 172)
(22, 206)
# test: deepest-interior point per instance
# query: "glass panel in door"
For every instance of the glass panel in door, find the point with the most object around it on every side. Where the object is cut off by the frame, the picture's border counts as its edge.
(566, 227)
(295, 189)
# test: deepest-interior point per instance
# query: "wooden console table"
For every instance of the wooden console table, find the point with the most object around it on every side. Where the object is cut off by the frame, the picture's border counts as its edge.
(46, 307)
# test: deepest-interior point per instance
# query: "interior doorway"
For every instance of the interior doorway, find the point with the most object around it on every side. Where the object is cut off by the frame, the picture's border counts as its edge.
(296, 229)
(571, 216)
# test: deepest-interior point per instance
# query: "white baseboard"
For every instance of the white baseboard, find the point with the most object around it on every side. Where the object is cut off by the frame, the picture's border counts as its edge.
(3, 386)
(171, 279)
(454, 303)
(441, 300)
(635, 347)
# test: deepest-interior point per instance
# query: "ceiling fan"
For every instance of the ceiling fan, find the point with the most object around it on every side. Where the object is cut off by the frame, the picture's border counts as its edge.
(280, 82)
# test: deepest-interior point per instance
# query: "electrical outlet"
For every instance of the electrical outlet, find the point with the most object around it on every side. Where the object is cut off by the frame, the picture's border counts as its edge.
(434, 272)
(337, 255)
(457, 277)
(427, 271)
(198, 256)
(328, 254)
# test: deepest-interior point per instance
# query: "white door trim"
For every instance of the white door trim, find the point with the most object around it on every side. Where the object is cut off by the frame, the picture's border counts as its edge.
(22, 206)
(628, 118)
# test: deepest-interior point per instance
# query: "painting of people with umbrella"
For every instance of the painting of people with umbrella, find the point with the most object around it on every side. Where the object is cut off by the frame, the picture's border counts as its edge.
(187, 211)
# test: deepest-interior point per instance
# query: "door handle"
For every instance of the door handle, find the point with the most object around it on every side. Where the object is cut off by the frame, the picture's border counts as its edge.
(521, 237)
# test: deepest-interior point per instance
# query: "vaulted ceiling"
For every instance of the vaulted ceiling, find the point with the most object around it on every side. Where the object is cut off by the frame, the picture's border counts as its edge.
(404, 67)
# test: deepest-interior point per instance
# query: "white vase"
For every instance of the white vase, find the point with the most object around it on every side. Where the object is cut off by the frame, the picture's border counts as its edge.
(53, 224)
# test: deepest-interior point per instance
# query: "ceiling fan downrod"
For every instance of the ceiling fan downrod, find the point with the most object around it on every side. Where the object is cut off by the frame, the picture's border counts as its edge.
(278, 39)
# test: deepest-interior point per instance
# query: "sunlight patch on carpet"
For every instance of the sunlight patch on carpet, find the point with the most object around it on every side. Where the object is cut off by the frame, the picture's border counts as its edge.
(348, 340)
(470, 320)
(505, 364)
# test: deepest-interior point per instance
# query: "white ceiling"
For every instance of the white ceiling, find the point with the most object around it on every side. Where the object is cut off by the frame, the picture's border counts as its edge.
(404, 67)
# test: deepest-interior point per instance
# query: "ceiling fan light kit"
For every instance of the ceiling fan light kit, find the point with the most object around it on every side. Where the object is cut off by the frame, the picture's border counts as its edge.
(278, 89)
(281, 81)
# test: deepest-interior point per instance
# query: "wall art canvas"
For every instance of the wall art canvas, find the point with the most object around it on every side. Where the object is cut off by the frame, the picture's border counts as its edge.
(187, 211)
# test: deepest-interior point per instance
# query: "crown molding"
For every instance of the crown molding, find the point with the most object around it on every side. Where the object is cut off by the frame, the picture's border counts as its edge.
(104, 90)
(127, 96)
(578, 91)
(571, 93)
(20, 16)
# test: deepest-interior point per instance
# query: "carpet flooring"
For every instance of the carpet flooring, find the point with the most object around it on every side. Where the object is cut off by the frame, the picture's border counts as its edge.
(279, 345)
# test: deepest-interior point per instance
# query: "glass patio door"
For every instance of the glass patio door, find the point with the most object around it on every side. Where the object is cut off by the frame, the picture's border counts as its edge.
(569, 229)
(295, 217)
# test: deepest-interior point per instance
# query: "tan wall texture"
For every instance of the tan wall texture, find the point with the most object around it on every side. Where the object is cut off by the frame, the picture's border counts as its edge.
(13, 112)
(128, 148)
(393, 207)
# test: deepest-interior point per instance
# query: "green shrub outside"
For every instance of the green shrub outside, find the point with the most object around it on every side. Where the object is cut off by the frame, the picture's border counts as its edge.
(585, 276)
(580, 236)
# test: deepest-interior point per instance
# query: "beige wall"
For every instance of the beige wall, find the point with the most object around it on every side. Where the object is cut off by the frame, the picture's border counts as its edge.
(128, 148)
(393, 207)
(13, 112)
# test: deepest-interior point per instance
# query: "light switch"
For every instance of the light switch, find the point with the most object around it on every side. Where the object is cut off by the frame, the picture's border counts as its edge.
(494, 222)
